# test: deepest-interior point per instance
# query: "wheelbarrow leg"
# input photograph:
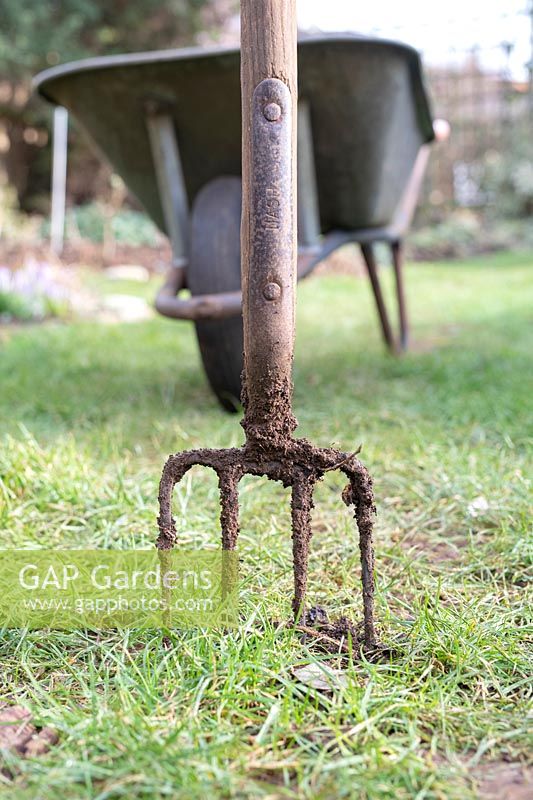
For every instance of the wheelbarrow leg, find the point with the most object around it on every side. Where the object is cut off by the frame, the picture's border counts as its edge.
(397, 260)
(170, 180)
(370, 261)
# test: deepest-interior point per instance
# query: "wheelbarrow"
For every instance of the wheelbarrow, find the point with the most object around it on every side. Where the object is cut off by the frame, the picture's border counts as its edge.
(170, 123)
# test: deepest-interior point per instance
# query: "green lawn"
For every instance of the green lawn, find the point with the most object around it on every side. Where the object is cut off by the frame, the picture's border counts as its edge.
(88, 413)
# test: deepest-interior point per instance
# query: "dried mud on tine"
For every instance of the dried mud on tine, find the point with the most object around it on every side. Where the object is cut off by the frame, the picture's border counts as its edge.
(298, 464)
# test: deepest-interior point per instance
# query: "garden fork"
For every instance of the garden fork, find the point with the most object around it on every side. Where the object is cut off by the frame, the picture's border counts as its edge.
(268, 242)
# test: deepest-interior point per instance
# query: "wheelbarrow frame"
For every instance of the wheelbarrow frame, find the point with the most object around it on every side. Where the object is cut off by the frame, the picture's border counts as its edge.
(312, 248)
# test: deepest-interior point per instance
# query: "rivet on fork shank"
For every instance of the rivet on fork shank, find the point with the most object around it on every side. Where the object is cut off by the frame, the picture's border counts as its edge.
(272, 112)
(272, 291)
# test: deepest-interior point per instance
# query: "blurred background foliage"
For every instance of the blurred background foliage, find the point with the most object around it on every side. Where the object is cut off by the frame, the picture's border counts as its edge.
(507, 175)
(478, 192)
(36, 35)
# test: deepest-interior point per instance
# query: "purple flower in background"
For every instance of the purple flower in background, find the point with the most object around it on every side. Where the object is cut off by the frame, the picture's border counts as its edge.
(33, 291)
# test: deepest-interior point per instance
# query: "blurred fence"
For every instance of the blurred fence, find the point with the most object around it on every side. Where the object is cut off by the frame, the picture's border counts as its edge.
(487, 110)
(479, 71)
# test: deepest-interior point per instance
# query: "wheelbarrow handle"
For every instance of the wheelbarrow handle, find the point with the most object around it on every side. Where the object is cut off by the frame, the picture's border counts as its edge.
(268, 228)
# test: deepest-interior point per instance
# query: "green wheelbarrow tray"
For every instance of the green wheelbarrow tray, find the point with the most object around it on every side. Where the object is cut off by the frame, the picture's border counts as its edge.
(170, 124)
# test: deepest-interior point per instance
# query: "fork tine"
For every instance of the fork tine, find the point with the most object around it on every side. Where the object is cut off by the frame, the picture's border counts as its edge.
(359, 494)
(228, 482)
(301, 507)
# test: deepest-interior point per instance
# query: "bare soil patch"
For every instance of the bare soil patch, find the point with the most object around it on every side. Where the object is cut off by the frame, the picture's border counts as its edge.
(502, 780)
(436, 551)
(19, 735)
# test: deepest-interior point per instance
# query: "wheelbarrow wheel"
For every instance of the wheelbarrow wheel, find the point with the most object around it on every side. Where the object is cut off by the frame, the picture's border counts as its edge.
(215, 266)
